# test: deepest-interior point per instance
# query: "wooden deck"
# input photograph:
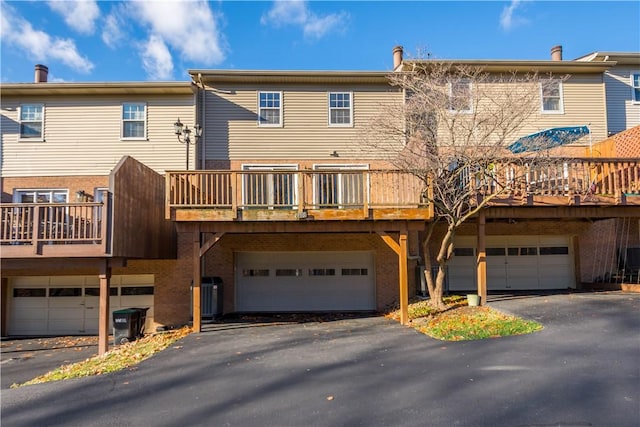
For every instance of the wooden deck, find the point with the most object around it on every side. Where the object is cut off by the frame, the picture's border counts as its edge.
(54, 230)
(336, 195)
(339, 195)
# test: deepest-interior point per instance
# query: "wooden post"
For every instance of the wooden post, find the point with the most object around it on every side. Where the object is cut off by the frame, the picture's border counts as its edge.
(103, 316)
(481, 261)
(400, 250)
(197, 278)
(404, 281)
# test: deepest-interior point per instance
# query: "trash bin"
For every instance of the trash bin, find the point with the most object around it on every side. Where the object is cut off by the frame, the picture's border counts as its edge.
(128, 324)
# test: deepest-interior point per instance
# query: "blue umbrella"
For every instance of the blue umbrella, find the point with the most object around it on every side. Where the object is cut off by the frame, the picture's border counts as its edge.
(548, 138)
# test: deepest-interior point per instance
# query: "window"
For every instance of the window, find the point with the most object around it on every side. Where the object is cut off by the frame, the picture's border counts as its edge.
(322, 272)
(256, 272)
(29, 292)
(65, 292)
(551, 95)
(460, 96)
(269, 109)
(340, 186)
(134, 119)
(288, 272)
(463, 252)
(552, 250)
(635, 87)
(40, 196)
(340, 109)
(136, 290)
(31, 120)
(355, 272)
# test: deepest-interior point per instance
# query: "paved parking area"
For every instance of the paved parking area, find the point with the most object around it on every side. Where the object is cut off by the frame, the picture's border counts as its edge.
(22, 359)
(581, 370)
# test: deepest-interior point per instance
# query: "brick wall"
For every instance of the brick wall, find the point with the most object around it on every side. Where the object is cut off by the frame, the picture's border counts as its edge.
(72, 183)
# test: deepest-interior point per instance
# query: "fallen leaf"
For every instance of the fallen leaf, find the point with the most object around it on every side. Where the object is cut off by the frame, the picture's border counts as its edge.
(329, 397)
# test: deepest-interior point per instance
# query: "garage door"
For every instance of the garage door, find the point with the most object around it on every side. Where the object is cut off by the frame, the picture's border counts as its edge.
(515, 263)
(69, 305)
(305, 281)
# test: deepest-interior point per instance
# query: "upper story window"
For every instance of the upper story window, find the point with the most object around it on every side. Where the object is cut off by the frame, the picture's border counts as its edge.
(31, 121)
(134, 121)
(340, 109)
(460, 97)
(635, 87)
(270, 108)
(40, 196)
(551, 96)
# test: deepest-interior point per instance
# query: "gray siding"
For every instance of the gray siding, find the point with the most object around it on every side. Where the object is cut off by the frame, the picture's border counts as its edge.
(82, 136)
(622, 112)
(233, 133)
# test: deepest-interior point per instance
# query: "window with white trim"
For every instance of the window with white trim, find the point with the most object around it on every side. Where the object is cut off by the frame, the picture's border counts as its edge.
(40, 196)
(31, 121)
(340, 109)
(635, 87)
(551, 96)
(134, 120)
(270, 108)
(460, 96)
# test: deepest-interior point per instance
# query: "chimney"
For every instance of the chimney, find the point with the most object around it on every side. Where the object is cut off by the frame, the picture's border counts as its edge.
(42, 71)
(556, 53)
(397, 56)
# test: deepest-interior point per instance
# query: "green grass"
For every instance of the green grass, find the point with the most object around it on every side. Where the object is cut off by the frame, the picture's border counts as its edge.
(459, 322)
(120, 357)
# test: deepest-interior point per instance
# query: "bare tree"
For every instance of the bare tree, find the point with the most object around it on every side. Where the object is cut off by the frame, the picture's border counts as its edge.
(453, 129)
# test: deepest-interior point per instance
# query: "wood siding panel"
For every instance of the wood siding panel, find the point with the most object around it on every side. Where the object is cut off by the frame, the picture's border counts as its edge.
(233, 131)
(623, 113)
(82, 134)
(139, 227)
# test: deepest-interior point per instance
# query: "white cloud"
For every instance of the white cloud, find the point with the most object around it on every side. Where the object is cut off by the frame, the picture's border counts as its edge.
(81, 15)
(112, 30)
(156, 59)
(16, 32)
(508, 18)
(186, 26)
(296, 12)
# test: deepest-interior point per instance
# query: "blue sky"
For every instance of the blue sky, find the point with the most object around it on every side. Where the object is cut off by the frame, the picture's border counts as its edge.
(159, 40)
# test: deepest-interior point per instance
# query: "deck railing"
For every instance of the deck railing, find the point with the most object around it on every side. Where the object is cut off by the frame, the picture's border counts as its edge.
(82, 224)
(613, 178)
(299, 191)
(595, 181)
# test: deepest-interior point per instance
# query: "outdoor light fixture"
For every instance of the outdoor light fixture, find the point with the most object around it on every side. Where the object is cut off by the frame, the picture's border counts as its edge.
(184, 135)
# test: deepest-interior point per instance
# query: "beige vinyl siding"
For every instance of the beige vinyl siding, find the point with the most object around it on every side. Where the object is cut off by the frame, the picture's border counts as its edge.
(622, 112)
(233, 131)
(584, 104)
(82, 135)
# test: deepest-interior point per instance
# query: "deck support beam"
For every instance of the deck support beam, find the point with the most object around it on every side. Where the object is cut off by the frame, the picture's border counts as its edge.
(197, 279)
(104, 275)
(481, 260)
(400, 248)
(200, 249)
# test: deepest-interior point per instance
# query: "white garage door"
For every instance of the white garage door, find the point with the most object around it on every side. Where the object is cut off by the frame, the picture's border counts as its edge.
(515, 263)
(69, 305)
(305, 281)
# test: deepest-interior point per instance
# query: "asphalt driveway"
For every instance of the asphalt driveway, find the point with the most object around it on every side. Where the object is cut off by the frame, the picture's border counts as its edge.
(583, 369)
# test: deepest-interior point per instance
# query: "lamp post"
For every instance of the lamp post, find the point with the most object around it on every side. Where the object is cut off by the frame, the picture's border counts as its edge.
(184, 132)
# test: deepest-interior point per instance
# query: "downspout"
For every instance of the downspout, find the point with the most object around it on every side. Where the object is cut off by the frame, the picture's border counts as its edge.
(203, 115)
